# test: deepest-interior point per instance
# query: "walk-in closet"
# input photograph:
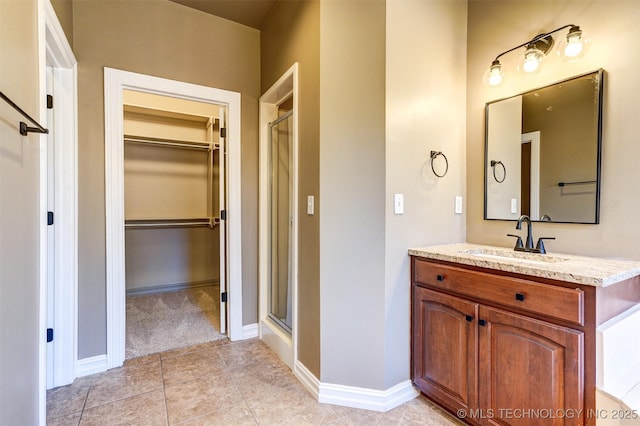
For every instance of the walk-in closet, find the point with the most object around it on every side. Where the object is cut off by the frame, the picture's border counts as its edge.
(174, 193)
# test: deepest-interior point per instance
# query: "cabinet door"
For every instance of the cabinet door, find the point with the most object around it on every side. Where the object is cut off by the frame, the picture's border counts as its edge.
(444, 348)
(531, 371)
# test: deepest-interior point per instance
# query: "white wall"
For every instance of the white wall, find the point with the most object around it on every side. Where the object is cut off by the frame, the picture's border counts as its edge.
(20, 216)
(425, 110)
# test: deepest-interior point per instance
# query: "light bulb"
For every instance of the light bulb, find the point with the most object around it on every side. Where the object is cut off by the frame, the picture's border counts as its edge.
(495, 74)
(532, 59)
(574, 43)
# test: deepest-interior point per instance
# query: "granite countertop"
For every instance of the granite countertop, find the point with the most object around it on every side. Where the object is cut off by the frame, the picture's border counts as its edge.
(593, 271)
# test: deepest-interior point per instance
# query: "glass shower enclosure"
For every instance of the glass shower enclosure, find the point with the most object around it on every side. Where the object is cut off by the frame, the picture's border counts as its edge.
(281, 215)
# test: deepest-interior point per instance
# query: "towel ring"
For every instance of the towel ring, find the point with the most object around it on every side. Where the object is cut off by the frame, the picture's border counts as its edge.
(495, 163)
(435, 154)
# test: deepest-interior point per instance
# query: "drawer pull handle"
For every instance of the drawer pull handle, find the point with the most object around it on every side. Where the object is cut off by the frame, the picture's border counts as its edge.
(469, 318)
(440, 277)
(482, 322)
(520, 297)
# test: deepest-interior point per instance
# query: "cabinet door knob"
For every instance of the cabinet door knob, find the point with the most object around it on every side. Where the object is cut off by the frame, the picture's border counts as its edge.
(520, 297)
(440, 277)
(482, 322)
(469, 318)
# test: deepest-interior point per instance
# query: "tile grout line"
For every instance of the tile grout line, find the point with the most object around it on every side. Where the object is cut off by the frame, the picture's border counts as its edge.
(84, 404)
(235, 384)
(164, 394)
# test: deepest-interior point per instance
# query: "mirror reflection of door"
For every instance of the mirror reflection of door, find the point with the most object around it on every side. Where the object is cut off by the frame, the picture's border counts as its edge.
(281, 221)
(530, 175)
(525, 179)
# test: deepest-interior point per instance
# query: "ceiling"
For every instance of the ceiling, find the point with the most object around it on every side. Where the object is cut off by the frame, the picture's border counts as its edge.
(247, 12)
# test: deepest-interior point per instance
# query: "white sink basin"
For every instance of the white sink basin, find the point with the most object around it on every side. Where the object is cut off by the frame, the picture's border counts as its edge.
(514, 256)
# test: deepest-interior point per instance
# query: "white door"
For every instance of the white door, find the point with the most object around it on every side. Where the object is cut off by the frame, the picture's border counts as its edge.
(222, 158)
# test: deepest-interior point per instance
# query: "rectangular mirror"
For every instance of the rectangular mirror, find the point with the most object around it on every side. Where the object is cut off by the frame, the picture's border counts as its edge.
(542, 153)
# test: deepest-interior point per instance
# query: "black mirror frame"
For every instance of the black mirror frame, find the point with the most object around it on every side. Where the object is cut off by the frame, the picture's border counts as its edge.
(600, 73)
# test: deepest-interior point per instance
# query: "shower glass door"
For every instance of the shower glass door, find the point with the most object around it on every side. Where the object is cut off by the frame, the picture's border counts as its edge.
(280, 220)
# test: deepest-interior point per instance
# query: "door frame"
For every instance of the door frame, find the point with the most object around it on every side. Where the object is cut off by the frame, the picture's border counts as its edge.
(284, 345)
(56, 52)
(115, 81)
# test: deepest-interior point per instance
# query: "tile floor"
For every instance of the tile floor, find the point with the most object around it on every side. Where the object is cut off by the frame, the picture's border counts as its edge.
(215, 383)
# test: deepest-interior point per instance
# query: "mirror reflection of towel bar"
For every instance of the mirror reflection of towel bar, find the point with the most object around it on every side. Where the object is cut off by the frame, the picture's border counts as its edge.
(584, 182)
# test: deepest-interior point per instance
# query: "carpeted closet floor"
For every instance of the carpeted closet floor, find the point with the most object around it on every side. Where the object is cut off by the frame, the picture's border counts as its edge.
(164, 321)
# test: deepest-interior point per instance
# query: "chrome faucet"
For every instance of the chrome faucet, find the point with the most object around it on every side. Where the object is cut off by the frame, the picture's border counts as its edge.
(528, 246)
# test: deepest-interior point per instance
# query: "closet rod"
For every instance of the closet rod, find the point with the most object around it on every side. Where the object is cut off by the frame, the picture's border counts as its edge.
(24, 129)
(169, 225)
(168, 144)
(160, 223)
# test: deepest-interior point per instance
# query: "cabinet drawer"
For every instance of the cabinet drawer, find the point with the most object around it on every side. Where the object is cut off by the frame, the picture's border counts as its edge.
(545, 299)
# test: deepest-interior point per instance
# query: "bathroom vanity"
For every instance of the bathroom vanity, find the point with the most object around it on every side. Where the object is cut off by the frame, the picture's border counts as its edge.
(502, 337)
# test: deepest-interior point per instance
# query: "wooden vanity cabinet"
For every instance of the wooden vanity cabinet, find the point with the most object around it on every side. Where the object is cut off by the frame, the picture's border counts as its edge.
(531, 365)
(508, 362)
(445, 347)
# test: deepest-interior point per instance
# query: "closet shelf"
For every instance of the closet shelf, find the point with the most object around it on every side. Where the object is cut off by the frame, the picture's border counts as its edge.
(170, 143)
(173, 222)
(166, 113)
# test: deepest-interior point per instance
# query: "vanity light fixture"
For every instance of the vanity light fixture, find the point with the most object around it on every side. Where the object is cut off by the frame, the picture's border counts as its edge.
(573, 45)
(536, 49)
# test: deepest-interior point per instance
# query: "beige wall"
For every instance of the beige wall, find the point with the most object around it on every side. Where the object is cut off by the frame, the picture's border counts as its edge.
(163, 39)
(364, 160)
(495, 26)
(352, 193)
(20, 216)
(64, 12)
(167, 183)
(291, 34)
(425, 110)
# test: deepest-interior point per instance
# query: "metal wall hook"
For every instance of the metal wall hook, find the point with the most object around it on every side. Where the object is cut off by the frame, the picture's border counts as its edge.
(434, 155)
(494, 164)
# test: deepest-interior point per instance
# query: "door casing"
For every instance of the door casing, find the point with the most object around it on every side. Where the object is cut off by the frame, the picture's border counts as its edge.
(115, 81)
(282, 343)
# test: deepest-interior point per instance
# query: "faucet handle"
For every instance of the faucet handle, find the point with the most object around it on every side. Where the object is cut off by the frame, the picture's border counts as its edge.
(519, 246)
(540, 245)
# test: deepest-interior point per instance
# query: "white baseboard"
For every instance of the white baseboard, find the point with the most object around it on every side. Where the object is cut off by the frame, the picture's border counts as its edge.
(367, 399)
(307, 378)
(91, 365)
(355, 397)
(250, 331)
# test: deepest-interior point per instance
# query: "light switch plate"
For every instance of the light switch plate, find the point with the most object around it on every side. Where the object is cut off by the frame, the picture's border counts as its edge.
(458, 208)
(514, 205)
(398, 203)
(310, 205)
